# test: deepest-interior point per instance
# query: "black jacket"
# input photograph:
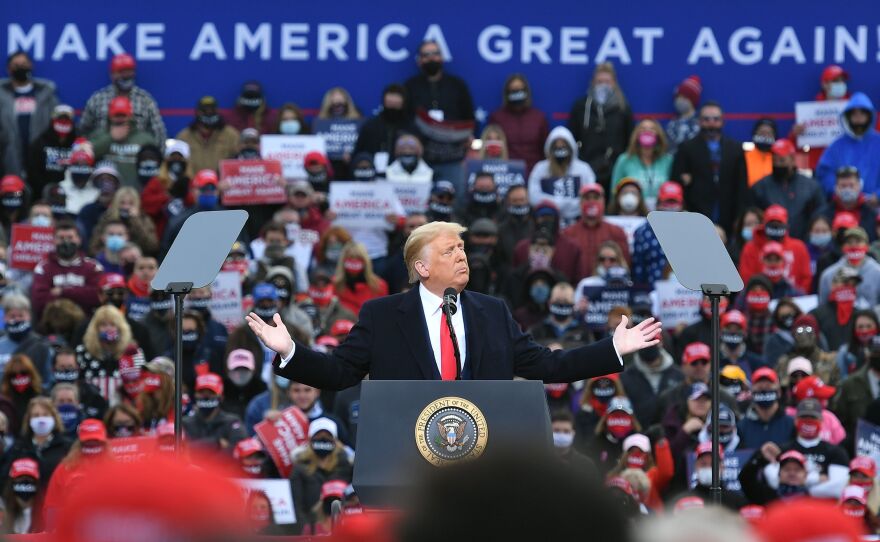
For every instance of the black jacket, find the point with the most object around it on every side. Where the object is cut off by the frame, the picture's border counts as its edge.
(378, 134)
(48, 457)
(641, 394)
(307, 487)
(601, 137)
(46, 159)
(391, 342)
(206, 434)
(703, 193)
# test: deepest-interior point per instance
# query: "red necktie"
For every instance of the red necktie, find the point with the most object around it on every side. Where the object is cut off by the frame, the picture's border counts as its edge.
(447, 351)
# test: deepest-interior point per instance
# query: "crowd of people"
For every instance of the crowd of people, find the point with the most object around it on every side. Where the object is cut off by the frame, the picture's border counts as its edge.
(86, 351)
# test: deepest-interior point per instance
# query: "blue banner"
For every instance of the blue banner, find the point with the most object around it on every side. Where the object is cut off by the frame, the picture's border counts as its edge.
(732, 464)
(753, 56)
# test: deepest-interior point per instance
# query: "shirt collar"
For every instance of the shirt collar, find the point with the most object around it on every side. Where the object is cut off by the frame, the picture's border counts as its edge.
(430, 302)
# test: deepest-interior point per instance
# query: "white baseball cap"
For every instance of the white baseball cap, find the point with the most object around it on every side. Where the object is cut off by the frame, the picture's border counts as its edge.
(323, 424)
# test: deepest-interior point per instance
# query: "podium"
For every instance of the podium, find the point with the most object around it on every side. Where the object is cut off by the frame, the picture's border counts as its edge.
(408, 427)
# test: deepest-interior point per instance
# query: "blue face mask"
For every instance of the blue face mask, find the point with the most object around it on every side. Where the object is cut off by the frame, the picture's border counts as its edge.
(70, 416)
(290, 127)
(747, 234)
(539, 293)
(207, 201)
(115, 243)
(765, 399)
(282, 382)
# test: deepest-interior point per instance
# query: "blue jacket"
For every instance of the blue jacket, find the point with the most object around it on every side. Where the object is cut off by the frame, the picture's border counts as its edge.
(849, 150)
(753, 432)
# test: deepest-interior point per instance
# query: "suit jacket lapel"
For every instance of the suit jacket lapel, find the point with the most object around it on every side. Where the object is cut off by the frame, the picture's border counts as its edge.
(474, 324)
(411, 319)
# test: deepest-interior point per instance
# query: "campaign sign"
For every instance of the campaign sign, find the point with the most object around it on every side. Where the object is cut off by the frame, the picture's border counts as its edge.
(507, 173)
(629, 225)
(601, 299)
(131, 449)
(363, 205)
(291, 151)
(868, 440)
(674, 304)
(252, 182)
(412, 196)
(29, 245)
(730, 467)
(339, 135)
(282, 437)
(821, 121)
(279, 494)
(226, 302)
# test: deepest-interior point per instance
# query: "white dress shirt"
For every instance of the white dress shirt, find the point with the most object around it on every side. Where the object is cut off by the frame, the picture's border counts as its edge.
(433, 316)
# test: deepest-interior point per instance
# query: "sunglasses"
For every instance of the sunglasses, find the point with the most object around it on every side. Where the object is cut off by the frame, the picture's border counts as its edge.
(700, 362)
(804, 329)
(713, 118)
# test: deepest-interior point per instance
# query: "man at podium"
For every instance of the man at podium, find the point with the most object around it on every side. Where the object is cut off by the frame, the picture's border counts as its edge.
(408, 336)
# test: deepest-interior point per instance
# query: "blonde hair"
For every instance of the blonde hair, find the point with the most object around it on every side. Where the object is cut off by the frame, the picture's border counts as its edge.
(501, 136)
(662, 144)
(354, 249)
(352, 113)
(421, 237)
(123, 192)
(46, 403)
(638, 479)
(107, 314)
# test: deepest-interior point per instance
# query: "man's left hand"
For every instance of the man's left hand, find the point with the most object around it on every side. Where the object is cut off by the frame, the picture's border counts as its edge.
(629, 340)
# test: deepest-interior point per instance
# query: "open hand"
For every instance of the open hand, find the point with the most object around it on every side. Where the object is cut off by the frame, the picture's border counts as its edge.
(627, 341)
(276, 338)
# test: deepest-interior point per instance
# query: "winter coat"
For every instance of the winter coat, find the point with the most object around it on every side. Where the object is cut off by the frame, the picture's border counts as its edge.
(863, 151)
(602, 132)
(795, 254)
(78, 280)
(801, 196)
(12, 160)
(525, 130)
(563, 192)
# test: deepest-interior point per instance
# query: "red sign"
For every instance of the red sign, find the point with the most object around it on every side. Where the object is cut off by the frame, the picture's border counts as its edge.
(252, 182)
(280, 438)
(131, 449)
(30, 244)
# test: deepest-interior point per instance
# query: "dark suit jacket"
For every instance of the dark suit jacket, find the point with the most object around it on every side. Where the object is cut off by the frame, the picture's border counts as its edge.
(702, 194)
(391, 342)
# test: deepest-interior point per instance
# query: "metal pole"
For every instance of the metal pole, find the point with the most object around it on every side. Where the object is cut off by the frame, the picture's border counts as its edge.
(178, 372)
(715, 490)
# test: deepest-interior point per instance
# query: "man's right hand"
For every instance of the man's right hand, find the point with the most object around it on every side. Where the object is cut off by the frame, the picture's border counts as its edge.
(276, 338)
(770, 451)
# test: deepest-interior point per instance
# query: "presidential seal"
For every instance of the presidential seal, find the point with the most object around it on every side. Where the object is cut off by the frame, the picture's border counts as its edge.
(451, 429)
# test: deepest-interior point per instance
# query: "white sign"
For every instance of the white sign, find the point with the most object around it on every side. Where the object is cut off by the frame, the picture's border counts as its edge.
(279, 495)
(805, 303)
(821, 122)
(673, 304)
(291, 151)
(363, 205)
(226, 301)
(629, 225)
(412, 196)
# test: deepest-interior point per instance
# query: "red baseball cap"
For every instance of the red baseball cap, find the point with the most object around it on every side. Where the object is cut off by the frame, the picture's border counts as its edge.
(333, 488)
(205, 177)
(592, 187)
(864, 465)
(766, 373)
(832, 72)
(120, 106)
(327, 340)
(122, 61)
(341, 327)
(845, 220)
(11, 184)
(695, 351)
(807, 520)
(782, 147)
(247, 448)
(777, 213)
(210, 381)
(108, 281)
(706, 448)
(670, 190)
(752, 512)
(793, 455)
(688, 503)
(315, 158)
(25, 467)
(812, 386)
(733, 317)
(772, 247)
(92, 429)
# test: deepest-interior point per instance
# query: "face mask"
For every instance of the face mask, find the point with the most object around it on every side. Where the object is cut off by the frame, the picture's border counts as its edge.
(332, 252)
(115, 243)
(493, 148)
(853, 510)
(266, 313)
(322, 448)
(353, 266)
(765, 399)
(432, 67)
(539, 293)
(290, 127)
(24, 491)
(847, 195)
(562, 440)
(601, 93)
(762, 142)
(321, 296)
(62, 127)
(364, 174)
(69, 415)
(519, 210)
(604, 393)
(207, 406)
(338, 110)
(746, 233)
(865, 335)
(647, 139)
(207, 201)
(66, 250)
(209, 121)
(92, 449)
(20, 382)
(785, 322)
(318, 179)
(774, 271)
(725, 438)
(109, 335)
(808, 428)
(484, 198)
(732, 340)
(593, 208)
(21, 75)
(561, 154)
(241, 377)
(190, 340)
(392, 114)
(124, 83)
(42, 425)
(837, 90)
(561, 311)
(757, 301)
(281, 382)
(820, 240)
(41, 221)
(787, 490)
(177, 168)
(122, 431)
(161, 307)
(775, 233)
(683, 105)
(517, 97)
(710, 133)
(704, 476)
(636, 459)
(619, 425)
(70, 376)
(201, 305)
(855, 254)
(253, 470)
(146, 170)
(18, 330)
(408, 161)
(629, 202)
(440, 211)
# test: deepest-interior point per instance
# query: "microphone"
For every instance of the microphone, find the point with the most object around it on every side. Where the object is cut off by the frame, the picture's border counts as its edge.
(450, 296)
